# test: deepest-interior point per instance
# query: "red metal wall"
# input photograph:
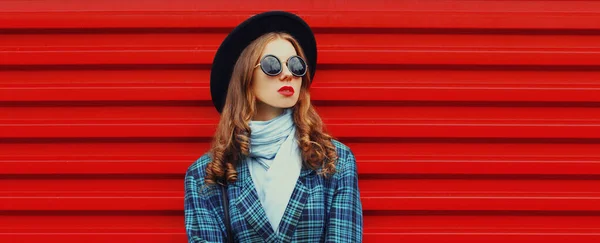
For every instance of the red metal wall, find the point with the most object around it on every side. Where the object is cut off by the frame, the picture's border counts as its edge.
(472, 121)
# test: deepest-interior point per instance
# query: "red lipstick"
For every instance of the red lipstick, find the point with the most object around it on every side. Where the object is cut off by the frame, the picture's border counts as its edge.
(286, 90)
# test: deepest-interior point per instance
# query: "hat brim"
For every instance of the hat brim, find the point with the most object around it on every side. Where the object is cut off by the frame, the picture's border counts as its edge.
(244, 34)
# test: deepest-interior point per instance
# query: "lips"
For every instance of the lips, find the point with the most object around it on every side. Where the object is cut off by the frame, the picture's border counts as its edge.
(286, 90)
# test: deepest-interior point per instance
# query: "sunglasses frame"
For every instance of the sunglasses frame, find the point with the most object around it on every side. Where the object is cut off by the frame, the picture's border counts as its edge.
(286, 65)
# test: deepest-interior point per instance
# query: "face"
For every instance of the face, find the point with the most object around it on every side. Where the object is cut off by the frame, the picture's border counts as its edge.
(281, 91)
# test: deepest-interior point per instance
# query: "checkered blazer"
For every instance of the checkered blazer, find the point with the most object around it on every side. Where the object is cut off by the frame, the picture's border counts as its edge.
(319, 210)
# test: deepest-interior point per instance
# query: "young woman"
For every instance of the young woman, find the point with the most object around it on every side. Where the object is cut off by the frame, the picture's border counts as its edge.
(272, 169)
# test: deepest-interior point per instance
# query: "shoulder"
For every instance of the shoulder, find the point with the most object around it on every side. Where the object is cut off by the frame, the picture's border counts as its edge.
(194, 178)
(197, 170)
(341, 149)
(346, 162)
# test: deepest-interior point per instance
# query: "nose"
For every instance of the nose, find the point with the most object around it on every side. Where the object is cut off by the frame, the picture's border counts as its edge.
(285, 74)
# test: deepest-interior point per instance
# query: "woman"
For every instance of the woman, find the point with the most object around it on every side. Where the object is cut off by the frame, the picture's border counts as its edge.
(284, 178)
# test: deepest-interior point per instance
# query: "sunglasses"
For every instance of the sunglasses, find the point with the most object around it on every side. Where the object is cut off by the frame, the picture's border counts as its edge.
(271, 65)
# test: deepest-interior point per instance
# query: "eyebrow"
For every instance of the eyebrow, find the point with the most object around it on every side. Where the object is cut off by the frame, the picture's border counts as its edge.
(278, 56)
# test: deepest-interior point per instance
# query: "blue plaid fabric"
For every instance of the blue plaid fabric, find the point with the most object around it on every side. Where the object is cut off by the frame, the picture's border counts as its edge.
(319, 210)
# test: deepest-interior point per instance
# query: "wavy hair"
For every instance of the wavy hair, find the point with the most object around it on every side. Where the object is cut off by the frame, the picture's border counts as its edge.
(231, 142)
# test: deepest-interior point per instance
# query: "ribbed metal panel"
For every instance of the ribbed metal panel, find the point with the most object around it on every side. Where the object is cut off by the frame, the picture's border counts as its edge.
(472, 121)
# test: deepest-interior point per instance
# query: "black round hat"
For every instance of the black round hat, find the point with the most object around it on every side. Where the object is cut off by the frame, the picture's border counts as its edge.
(244, 34)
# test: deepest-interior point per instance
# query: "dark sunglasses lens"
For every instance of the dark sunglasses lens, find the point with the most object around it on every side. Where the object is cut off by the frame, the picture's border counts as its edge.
(270, 65)
(297, 66)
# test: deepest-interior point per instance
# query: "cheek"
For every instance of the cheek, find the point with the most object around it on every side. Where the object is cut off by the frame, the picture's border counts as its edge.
(261, 87)
(298, 83)
(258, 81)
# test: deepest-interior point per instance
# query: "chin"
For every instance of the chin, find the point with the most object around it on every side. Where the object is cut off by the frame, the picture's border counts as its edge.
(285, 104)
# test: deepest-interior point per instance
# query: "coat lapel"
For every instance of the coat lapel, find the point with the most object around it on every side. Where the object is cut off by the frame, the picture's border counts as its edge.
(252, 211)
(250, 207)
(295, 206)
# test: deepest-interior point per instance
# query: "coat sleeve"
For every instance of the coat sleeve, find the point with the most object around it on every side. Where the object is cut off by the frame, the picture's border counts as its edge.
(345, 222)
(200, 224)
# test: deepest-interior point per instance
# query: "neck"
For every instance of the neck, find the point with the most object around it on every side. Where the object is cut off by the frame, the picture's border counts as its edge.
(266, 112)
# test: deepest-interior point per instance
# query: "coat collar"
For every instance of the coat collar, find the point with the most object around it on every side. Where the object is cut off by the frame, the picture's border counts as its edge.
(244, 178)
(252, 211)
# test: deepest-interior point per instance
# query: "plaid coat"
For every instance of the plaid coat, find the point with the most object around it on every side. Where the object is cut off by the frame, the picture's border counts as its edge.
(319, 210)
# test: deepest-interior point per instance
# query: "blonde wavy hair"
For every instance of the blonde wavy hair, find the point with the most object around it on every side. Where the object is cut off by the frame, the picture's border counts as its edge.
(231, 142)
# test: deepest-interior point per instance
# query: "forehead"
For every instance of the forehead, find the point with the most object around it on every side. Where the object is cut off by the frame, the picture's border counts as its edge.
(281, 48)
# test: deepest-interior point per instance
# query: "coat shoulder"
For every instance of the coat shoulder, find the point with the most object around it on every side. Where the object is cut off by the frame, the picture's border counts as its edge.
(346, 160)
(197, 170)
(340, 147)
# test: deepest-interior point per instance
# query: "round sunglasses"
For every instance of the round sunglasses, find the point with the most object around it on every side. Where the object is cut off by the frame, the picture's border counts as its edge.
(271, 65)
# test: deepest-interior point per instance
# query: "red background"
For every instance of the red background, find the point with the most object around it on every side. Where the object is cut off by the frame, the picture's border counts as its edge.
(472, 121)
